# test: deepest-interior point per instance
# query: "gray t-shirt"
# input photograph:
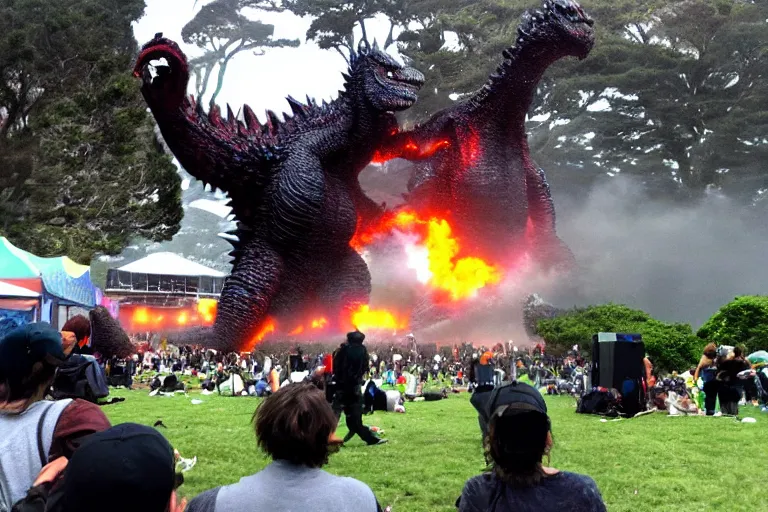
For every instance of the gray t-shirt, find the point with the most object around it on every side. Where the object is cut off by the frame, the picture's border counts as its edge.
(285, 487)
(563, 491)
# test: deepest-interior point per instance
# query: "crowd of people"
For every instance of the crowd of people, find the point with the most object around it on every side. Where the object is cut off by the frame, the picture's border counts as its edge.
(65, 456)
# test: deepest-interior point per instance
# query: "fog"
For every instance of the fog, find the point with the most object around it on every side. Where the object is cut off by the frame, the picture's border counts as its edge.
(678, 263)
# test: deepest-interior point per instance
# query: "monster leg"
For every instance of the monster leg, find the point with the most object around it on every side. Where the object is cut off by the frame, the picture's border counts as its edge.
(247, 295)
(542, 236)
(346, 283)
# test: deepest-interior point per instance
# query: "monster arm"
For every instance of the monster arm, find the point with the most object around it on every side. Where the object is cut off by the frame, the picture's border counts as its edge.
(223, 152)
(541, 208)
(541, 217)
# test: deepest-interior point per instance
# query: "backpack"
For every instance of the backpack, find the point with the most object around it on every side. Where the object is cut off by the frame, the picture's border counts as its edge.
(80, 377)
(598, 402)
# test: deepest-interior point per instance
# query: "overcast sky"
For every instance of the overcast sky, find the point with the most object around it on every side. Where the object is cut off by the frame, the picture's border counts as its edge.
(262, 82)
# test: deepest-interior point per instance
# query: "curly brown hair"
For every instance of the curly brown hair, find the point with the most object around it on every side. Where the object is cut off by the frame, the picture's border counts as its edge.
(295, 424)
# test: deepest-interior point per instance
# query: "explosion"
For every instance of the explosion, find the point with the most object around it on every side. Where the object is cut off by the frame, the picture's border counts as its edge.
(207, 309)
(363, 319)
(435, 256)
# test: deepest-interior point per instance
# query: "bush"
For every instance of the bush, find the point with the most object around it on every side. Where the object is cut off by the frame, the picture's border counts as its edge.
(743, 321)
(670, 346)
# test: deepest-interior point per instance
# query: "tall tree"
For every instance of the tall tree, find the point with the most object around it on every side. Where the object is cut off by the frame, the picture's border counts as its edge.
(672, 95)
(222, 30)
(80, 171)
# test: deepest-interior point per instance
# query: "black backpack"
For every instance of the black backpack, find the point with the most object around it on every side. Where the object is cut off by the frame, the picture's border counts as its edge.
(598, 402)
(80, 377)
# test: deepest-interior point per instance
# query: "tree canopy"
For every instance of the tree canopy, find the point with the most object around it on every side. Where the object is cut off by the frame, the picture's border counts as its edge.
(222, 30)
(744, 321)
(671, 347)
(80, 171)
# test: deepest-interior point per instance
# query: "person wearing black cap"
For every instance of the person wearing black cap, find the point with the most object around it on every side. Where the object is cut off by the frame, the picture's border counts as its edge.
(517, 438)
(36, 431)
(126, 468)
(350, 363)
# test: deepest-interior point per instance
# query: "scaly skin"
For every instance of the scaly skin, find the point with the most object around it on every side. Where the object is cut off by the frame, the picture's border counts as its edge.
(293, 186)
(472, 159)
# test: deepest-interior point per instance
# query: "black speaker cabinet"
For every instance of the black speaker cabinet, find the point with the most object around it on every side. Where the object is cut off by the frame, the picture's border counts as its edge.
(616, 358)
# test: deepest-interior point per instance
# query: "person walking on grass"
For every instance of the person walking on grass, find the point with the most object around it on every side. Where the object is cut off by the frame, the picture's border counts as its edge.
(350, 362)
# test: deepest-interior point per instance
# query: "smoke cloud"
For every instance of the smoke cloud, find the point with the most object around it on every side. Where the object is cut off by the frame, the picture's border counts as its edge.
(678, 263)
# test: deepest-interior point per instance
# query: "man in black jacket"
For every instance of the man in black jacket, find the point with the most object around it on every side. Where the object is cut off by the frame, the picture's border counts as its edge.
(350, 362)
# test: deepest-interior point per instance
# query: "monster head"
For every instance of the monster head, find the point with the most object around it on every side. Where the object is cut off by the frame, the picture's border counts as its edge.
(381, 81)
(563, 24)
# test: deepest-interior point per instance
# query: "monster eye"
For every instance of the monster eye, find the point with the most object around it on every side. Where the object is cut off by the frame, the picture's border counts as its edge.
(390, 74)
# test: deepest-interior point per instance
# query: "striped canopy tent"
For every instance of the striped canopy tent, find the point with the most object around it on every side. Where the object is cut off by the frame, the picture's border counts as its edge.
(59, 281)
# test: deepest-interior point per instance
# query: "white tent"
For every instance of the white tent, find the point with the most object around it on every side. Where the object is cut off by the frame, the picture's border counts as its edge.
(17, 292)
(168, 263)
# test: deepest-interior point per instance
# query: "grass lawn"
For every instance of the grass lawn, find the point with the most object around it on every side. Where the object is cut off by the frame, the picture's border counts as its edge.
(652, 463)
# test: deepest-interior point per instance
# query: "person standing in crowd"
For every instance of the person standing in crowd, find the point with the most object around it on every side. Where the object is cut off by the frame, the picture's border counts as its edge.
(125, 468)
(36, 431)
(707, 370)
(519, 436)
(481, 377)
(349, 365)
(730, 386)
(295, 427)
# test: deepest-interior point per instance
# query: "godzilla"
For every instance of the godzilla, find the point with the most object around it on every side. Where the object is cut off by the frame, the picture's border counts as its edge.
(472, 160)
(292, 182)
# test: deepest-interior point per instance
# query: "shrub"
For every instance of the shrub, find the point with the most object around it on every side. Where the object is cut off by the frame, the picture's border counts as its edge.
(670, 346)
(742, 321)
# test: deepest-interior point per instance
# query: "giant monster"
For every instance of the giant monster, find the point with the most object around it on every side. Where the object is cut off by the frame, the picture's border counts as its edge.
(473, 164)
(293, 185)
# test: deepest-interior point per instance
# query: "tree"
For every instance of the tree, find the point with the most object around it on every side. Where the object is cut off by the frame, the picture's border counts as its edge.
(80, 170)
(223, 32)
(671, 93)
(669, 346)
(742, 321)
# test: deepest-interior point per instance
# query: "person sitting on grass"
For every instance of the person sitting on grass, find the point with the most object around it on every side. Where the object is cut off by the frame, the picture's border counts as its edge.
(519, 436)
(295, 426)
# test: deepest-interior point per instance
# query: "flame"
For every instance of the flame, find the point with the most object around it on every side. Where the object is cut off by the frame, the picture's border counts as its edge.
(207, 309)
(319, 323)
(435, 256)
(296, 331)
(363, 318)
(183, 318)
(269, 326)
(409, 149)
(141, 316)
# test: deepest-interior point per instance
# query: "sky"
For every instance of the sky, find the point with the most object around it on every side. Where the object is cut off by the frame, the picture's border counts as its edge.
(263, 82)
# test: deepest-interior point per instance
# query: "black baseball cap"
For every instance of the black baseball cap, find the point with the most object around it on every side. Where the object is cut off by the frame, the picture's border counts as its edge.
(511, 396)
(126, 468)
(21, 348)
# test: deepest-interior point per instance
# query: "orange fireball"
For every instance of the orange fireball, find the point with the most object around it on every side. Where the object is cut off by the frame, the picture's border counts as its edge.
(363, 318)
(446, 272)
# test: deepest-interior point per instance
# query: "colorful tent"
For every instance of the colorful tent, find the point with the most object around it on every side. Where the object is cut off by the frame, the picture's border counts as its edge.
(59, 277)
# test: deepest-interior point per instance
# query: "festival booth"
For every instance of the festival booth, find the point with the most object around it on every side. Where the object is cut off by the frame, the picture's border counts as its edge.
(43, 289)
(164, 293)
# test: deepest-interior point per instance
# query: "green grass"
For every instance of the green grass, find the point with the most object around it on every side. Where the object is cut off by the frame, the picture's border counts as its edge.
(652, 463)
